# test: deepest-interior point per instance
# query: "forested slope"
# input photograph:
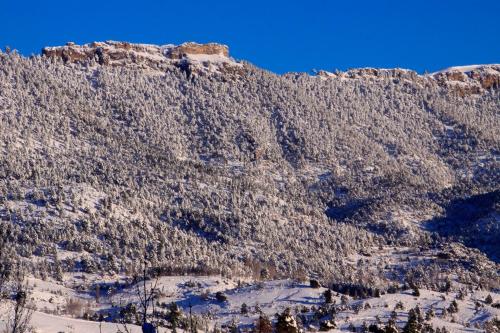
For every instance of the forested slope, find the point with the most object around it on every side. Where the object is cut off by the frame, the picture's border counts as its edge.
(239, 170)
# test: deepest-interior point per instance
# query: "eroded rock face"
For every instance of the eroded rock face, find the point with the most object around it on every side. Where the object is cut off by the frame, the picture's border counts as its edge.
(185, 49)
(373, 74)
(111, 53)
(381, 73)
(103, 52)
(196, 58)
(490, 80)
(466, 80)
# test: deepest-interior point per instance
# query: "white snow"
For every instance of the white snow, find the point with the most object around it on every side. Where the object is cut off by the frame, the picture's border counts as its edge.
(271, 297)
(464, 69)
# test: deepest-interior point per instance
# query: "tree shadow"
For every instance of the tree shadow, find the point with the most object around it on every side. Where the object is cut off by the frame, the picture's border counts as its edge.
(341, 212)
(473, 221)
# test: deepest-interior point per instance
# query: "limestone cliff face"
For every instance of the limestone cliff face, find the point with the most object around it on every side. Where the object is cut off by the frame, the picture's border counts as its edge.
(106, 53)
(195, 58)
(469, 79)
(465, 80)
(111, 53)
(186, 49)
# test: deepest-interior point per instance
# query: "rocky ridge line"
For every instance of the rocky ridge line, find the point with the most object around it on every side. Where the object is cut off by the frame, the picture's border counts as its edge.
(465, 80)
(194, 57)
(111, 53)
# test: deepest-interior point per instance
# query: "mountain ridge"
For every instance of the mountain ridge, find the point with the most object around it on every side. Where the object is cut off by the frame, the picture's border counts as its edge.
(242, 172)
(465, 80)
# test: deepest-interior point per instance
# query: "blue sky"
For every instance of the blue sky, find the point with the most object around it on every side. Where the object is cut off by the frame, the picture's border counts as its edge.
(280, 36)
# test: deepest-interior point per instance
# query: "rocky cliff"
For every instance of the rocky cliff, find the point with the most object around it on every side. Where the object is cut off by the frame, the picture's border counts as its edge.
(112, 53)
(465, 80)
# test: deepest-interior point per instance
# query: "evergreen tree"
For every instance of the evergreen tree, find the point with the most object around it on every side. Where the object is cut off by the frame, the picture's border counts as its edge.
(429, 314)
(174, 316)
(453, 308)
(328, 296)
(286, 322)
(391, 326)
(263, 324)
(416, 292)
(413, 325)
(233, 326)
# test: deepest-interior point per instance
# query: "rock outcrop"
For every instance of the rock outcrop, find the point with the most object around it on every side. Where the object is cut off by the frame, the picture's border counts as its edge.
(112, 53)
(195, 58)
(464, 80)
(468, 80)
(375, 73)
(186, 49)
(106, 53)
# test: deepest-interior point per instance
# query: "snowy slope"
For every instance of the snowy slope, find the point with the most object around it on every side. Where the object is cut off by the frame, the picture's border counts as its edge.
(196, 293)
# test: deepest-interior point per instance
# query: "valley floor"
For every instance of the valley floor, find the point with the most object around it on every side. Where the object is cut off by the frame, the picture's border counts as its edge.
(60, 307)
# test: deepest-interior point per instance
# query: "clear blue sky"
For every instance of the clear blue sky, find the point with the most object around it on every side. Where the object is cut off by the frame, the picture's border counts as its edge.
(277, 35)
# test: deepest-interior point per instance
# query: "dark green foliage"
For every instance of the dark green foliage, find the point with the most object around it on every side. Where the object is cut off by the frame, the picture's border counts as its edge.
(429, 314)
(129, 314)
(374, 328)
(399, 306)
(233, 327)
(355, 290)
(263, 324)
(286, 322)
(314, 283)
(447, 286)
(415, 321)
(326, 325)
(174, 316)
(220, 296)
(453, 308)
(328, 295)
(391, 326)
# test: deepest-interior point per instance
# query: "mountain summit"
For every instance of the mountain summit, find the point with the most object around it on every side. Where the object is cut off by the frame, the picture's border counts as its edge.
(111, 53)
(195, 57)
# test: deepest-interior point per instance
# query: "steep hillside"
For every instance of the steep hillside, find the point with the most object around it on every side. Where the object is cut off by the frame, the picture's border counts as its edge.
(210, 165)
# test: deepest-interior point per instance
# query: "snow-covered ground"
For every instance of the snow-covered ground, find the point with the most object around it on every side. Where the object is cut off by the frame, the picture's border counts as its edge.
(464, 69)
(197, 293)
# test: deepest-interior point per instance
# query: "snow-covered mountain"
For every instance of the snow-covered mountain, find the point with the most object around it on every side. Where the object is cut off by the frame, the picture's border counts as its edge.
(115, 156)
